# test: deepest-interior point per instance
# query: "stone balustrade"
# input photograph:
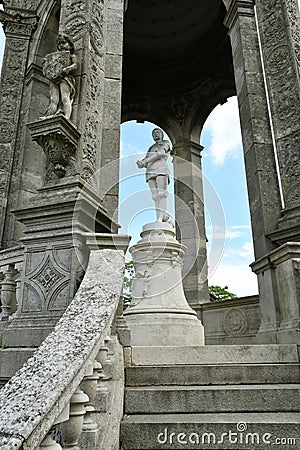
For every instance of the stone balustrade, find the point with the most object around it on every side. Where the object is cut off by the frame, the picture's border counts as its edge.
(11, 262)
(49, 389)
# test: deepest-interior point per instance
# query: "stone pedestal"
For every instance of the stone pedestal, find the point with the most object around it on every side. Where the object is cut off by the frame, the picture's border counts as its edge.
(159, 314)
(280, 270)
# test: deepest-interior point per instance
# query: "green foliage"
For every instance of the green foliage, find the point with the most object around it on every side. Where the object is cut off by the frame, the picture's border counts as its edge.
(221, 293)
(128, 280)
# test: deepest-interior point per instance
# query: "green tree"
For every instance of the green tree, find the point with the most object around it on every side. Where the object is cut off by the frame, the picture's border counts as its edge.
(220, 293)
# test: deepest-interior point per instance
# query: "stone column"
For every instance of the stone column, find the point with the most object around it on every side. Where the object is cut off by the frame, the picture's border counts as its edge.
(66, 206)
(18, 31)
(279, 24)
(109, 182)
(262, 180)
(189, 212)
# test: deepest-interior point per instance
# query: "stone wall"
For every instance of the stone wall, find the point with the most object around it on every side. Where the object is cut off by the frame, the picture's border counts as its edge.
(234, 321)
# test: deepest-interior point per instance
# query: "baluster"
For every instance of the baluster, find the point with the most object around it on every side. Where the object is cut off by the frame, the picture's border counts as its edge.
(8, 293)
(18, 291)
(89, 386)
(102, 391)
(49, 443)
(71, 430)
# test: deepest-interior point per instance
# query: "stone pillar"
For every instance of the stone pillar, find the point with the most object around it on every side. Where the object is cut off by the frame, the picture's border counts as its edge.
(279, 24)
(65, 206)
(189, 212)
(262, 179)
(159, 314)
(109, 182)
(18, 31)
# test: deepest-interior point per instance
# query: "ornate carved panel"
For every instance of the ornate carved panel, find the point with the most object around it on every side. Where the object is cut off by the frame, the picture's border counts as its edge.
(279, 27)
(47, 283)
(235, 322)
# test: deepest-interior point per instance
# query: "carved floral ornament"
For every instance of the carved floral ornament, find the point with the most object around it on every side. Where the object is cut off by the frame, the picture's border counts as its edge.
(17, 24)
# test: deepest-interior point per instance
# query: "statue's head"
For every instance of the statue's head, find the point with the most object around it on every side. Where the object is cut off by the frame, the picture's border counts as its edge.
(157, 134)
(65, 42)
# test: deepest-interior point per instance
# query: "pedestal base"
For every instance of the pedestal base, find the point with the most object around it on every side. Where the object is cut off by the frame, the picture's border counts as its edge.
(159, 314)
(167, 329)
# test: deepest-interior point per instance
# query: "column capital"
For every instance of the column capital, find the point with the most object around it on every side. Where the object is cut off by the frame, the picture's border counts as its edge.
(236, 8)
(184, 146)
(16, 25)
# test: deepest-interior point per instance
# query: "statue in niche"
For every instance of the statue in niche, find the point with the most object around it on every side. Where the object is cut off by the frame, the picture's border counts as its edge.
(57, 67)
(157, 173)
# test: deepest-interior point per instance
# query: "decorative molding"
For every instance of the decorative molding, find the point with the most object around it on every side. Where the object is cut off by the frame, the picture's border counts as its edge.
(17, 25)
(59, 139)
(237, 8)
(235, 322)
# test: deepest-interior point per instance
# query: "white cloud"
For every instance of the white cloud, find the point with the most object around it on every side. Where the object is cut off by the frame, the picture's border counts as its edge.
(247, 252)
(224, 127)
(239, 279)
(232, 232)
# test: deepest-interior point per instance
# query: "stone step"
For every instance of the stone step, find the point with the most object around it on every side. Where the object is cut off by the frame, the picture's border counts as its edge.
(200, 399)
(212, 374)
(215, 354)
(211, 431)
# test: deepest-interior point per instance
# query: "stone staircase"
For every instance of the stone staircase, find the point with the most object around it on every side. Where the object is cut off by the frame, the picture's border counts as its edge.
(248, 398)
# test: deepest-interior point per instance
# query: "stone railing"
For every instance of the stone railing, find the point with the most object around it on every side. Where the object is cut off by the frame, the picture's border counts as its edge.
(51, 397)
(11, 262)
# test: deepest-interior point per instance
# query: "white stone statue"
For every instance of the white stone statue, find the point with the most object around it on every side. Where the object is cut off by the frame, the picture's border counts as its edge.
(57, 67)
(157, 172)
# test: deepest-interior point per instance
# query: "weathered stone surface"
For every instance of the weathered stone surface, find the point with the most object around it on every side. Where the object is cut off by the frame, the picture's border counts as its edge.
(212, 354)
(195, 375)
(234, 321)
(206, 431)
(36, 395)
(280, 268)
(191, 399)
(279, 31)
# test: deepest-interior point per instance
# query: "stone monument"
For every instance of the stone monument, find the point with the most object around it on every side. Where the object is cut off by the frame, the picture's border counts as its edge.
(159, 314)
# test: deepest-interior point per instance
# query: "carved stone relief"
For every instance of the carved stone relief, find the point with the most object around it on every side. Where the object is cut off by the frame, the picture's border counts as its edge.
(18, 30)
(279, 29)
(47, 281)
(86, 20)
(59, 139)
(22, 4)
(235, 322)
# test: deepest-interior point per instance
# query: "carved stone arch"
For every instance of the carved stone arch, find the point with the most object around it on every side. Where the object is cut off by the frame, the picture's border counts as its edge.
(198, 115)
(148, 113)
(44, 40)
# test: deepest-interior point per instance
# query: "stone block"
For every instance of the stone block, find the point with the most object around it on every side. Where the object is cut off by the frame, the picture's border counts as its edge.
(215, 354)
(205, 399)
(207, 431)
(220, 374)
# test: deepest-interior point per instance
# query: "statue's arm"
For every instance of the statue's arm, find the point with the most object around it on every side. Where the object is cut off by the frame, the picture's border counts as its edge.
(156, 155)
(72, 67)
